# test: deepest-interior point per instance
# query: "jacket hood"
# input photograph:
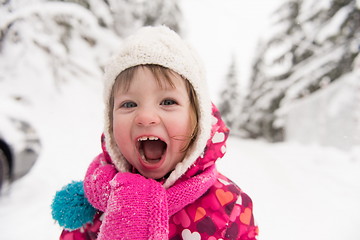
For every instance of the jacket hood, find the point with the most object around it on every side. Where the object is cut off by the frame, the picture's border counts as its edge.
(159, 46)
(215, 147)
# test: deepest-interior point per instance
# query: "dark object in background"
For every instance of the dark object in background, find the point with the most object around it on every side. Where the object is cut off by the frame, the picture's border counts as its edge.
(19, 149)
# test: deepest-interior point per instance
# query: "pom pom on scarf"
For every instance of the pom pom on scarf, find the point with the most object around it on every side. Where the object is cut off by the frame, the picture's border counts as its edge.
(70, 207)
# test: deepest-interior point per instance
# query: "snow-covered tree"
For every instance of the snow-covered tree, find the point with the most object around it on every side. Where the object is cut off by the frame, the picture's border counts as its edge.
(312, 43)
(49, 43)
(124, 16)
(230, 98)
(130, 15)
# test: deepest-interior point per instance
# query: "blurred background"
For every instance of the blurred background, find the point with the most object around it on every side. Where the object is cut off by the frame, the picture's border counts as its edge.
(284, 73)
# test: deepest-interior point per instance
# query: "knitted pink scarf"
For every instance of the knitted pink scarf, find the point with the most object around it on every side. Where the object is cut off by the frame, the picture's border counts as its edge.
(136, 207)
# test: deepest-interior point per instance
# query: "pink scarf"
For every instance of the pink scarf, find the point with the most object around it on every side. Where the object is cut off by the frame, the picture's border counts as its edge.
(136, 207)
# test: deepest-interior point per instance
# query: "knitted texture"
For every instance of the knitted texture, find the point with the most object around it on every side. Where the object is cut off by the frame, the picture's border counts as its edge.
(70, 208)
(139, 208)
(160, 46)
(136, 209)
(186, 192)
(100, 173)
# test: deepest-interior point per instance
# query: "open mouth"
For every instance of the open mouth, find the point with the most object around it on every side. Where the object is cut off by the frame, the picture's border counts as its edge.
(151, 149)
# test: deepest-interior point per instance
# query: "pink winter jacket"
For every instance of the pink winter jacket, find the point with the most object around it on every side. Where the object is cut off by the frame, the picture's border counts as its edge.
(222, 211)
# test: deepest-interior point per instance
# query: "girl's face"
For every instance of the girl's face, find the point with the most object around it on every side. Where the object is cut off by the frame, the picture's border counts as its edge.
(152, 123)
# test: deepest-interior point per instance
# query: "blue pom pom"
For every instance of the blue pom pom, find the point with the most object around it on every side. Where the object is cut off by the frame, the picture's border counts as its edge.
(70, 207)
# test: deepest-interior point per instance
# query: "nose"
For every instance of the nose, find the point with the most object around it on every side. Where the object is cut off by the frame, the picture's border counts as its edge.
(147, 117)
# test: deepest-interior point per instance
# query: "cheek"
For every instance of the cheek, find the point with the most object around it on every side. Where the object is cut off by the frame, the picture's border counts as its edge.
(121, 131)
(180, 125)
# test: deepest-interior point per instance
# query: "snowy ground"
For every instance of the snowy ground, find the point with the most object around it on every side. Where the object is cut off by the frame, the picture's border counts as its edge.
(299, 192)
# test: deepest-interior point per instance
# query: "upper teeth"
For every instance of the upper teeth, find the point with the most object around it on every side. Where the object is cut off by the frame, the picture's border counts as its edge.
(148, 138)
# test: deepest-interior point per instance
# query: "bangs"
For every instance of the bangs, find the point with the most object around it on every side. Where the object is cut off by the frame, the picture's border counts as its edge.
(162, 76)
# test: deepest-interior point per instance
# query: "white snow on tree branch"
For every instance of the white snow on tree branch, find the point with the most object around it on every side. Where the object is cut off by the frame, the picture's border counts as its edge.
(49, 9)
(333, 27)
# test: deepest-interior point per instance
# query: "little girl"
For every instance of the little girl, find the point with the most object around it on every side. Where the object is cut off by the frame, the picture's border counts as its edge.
(156, 177)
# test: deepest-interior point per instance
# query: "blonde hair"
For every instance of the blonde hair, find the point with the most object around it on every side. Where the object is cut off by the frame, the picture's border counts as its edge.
(161, 74)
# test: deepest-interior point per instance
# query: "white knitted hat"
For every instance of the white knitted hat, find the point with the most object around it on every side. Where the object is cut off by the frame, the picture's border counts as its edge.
(160, 46)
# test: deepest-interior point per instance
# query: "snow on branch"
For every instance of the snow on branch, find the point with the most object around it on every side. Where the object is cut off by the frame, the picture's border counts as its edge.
(50, 9)
(333, 26)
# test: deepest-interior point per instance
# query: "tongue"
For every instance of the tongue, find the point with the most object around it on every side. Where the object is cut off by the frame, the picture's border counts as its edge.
(153, 150)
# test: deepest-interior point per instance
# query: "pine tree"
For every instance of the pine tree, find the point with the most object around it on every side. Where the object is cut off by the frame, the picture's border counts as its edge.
(130, 15)
(230, 99)
(55, 42)
(311, 45)
(124, 16)
(274, 61)
(54, 33)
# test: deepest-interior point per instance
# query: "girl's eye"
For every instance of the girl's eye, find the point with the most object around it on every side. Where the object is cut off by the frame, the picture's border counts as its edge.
(168, 102)
(128, 105)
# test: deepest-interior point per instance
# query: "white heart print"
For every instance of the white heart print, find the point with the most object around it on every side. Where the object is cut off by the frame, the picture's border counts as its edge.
(188, 235)
(218, 137)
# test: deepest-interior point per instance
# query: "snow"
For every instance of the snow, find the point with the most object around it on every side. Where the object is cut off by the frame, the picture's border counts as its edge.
(330, 115)
(316, 66)
(333, 27)
(229, 28)
(299, 191)
(70, 131)
(275, 52)
(309, 8)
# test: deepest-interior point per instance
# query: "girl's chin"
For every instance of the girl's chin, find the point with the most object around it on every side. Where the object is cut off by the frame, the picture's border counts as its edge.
(152, 175)
(159, 176)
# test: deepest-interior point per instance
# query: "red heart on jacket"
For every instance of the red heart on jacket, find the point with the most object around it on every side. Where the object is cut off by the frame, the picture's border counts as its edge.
(200, 213)
(224, 197)
(245, 217)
